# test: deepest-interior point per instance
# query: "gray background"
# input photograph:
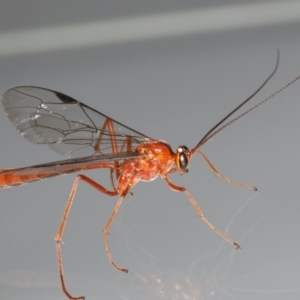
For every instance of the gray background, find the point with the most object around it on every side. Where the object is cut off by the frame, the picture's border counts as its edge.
(169, 69)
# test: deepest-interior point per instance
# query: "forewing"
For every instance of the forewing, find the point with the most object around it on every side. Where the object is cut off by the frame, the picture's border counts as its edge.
(66, 125)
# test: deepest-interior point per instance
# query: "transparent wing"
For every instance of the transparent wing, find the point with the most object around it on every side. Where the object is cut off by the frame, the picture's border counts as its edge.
(66, 125)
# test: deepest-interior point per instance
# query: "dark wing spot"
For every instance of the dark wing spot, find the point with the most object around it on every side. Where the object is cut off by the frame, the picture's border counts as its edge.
(64, 98)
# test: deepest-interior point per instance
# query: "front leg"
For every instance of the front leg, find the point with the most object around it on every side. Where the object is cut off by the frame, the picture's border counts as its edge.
(217, 173)
(198, 210)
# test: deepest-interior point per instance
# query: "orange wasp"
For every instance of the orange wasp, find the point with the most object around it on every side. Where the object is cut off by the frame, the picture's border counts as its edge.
(92, 140)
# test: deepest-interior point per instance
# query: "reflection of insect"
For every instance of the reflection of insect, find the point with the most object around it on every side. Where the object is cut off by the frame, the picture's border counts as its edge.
(92, 140)
(203, 279)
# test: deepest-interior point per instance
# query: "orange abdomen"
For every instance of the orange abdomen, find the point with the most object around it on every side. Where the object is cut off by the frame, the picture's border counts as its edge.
(8, 178)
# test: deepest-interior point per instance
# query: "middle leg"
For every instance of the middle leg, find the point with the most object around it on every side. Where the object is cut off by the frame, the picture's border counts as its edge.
(108, 225)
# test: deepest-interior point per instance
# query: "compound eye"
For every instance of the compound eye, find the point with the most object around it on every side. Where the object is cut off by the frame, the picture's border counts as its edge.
(182, 159)
(183, 162)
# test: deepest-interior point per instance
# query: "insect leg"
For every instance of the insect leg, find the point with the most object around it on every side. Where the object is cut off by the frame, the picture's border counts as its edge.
(59, 234)
(108, 225)
(112, 181)
(108, 135)
(126, 146)
(217, 173)
(199, 212)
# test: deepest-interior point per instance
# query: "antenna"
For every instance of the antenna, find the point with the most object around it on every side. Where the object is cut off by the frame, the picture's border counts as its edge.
(215, 130)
